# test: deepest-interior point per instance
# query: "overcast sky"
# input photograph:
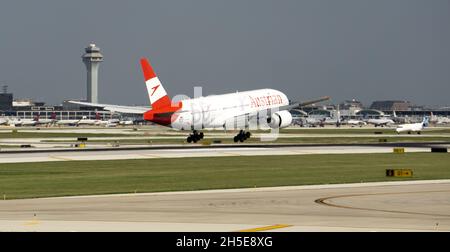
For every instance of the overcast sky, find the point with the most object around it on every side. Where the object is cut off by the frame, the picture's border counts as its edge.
(379, 49)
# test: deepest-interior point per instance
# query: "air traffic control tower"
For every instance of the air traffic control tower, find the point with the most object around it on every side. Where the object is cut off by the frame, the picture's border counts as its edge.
(92, 59)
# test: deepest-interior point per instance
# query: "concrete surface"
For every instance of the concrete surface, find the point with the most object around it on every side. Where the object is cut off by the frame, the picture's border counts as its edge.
(382, 206)
(203, 152)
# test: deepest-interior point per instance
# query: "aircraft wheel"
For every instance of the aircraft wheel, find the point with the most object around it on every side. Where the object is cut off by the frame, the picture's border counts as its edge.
(189, 139)
(235, 139)
(201, 135)
(248, 134)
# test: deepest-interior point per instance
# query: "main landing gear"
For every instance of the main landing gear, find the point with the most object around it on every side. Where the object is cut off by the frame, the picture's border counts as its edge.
(242, 136)
(195, 137)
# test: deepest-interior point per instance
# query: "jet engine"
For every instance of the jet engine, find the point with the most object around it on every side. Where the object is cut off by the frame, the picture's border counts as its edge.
(280, 119)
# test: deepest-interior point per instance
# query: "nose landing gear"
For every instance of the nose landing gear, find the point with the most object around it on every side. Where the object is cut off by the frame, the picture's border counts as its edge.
(242, 136)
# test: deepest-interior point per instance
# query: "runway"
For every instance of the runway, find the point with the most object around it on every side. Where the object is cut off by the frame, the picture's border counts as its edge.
(382, 206)
(78, 155)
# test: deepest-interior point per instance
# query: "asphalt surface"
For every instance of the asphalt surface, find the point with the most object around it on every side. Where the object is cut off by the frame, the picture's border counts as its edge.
(384, 206)
(172, 152)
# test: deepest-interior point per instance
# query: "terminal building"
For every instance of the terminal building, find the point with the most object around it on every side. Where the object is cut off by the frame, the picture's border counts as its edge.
(391, 105)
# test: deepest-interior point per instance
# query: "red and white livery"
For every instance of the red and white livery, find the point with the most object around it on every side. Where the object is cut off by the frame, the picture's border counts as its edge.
(259, 108)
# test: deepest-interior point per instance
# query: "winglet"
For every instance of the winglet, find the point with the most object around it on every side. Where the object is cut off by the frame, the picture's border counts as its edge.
(147, 69)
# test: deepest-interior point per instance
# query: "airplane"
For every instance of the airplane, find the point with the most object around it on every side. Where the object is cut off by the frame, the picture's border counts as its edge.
(107, 123)
(314, 121)
(28, 122)
(83, 121)
(354, 122)
(434, 119)
(14, 122)
(380, 122)
(70, 122)
(400, 119)
(39, 121)
(412, 127)
(3, 120)
(443, 120)
(226, 111)
(98, 120)
(126, 122)
(86, 121)
(333, 120)
(17, 121)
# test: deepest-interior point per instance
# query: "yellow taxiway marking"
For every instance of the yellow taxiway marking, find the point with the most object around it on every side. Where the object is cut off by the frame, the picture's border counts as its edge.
(232, 154)
(60, 158)
(266, 228)
(32, 223)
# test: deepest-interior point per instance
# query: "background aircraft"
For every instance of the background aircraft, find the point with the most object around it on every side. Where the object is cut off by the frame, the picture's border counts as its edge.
(380, 122)
(354, 122)
(412, 127)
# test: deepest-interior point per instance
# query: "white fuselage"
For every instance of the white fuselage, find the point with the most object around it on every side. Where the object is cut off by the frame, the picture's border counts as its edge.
(227, 110)
(28, 122)
(3, 121)
(45, 121)
(67, 122)
(443, 120)
(380, 122)
(14, 121)
(411, 127)
(126, 122)
(355, 122)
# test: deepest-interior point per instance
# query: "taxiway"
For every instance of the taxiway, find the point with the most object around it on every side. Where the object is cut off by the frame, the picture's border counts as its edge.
(78, 155)
(382, 206)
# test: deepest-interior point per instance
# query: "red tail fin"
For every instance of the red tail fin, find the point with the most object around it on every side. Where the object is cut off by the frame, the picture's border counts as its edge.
(156, 92)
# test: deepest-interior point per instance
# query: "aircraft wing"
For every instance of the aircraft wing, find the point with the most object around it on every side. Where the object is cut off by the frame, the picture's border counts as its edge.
(295, 105)
(115, 108)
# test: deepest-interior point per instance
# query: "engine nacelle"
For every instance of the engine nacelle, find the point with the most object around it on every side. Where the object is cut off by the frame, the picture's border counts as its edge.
(280, 119)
